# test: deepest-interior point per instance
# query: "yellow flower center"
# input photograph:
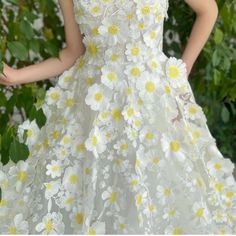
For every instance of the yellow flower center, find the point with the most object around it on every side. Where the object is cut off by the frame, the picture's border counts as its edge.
(192, 110)
(94, 140)
(79, 218)
(135, 51)
(92, 48)
(98, 97)
(174, 72)
(73, 179)
(113, 29)
(174, 146)
(149, 135)
(177, 231)
(22, 176)
(146, 10)
(113, 197)
(54, 96)
(135, 71)
(49, 226)
(150, 86)
(199, 212)
(111, 76)
(12, 230)
(217, 166)
(30, 133)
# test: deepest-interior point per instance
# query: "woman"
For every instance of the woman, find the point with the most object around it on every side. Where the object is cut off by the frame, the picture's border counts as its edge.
(126, 148)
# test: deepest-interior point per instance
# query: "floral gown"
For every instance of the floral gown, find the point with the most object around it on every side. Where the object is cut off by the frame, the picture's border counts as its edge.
(126, 148)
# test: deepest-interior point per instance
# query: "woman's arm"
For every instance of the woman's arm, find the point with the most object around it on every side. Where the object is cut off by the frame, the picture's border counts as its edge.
(52, 66)
(207, 12)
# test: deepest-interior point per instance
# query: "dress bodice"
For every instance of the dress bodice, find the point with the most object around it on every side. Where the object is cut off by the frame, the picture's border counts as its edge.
(113, 23)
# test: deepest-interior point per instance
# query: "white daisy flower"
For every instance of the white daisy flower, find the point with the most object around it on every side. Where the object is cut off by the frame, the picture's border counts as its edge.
(98, 97)
(71, 179)
(150, 210)
(51, 224)
(151, 37)
(18, 226)
(201, 213)
(154, 63)
(197, 133)
(119, 165)
(116, 113)
(137, 28)
(154, 159)
(54, 169)
(98, 227)
(148, 136)
(32, 132)
(61, 153)
(134, 71)
(77, 218)
(67, 101)
(170, 213)
(164, 193)
(112, 30)
(229, 194)
(130, 113)
(21, 174)
(95, 9)
(96, 142)
(78, 148)
(193, 111)
(175, 71)
(66, 140)
(132, 135)
(135, 51)
(148, 86)
(141, 198)
(172, 145)
(93, 49)
(134, 182)
(219, 216)
(52, 188)
(174, 229)
(111, 77)
(66, 200)
(219, 166)
(145, 10)
(104, 116)
(110, 196)
(113, 56)
(120, 224)
(224, 230)
(122, 147)
(66, 79)
(53, 95)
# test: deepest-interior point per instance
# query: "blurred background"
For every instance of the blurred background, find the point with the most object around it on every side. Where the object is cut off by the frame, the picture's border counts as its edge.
(31, 31)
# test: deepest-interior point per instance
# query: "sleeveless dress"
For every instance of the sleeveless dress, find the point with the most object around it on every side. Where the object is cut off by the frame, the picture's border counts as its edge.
(125, 149)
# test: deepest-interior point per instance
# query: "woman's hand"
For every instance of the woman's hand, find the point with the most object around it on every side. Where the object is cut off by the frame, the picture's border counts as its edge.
(9, 76)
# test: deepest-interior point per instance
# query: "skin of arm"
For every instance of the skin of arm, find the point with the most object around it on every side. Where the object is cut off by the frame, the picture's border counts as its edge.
(52, 66)
(206, 16)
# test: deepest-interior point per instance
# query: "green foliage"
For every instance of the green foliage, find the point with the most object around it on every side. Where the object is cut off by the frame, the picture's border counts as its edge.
(22, 43)
(212, 79)
(29, 31)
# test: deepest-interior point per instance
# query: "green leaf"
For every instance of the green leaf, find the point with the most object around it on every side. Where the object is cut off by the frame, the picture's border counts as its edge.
(18, 50)
(18, 151)
(26, 29)
(225, 114)
(218, 36)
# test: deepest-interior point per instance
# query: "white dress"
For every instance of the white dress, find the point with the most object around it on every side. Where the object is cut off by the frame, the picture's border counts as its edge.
(126, 148)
